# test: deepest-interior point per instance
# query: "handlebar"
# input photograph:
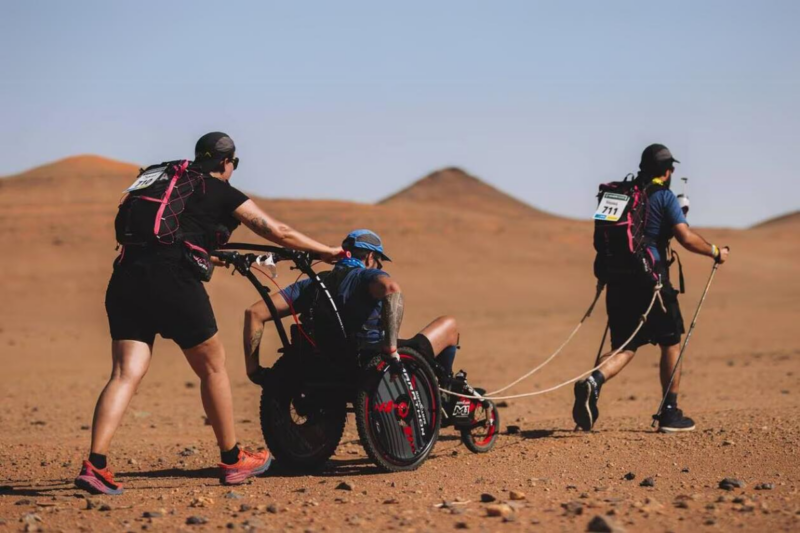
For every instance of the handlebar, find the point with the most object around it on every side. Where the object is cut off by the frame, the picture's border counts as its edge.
(242, 262)
(230, 255)
(280, 254)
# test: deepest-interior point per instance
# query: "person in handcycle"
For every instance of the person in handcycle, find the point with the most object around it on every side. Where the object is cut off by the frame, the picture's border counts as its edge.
(371, 307)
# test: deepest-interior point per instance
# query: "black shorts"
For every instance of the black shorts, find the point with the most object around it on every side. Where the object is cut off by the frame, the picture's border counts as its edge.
(164, 297)
(627, 303)
(420, 343)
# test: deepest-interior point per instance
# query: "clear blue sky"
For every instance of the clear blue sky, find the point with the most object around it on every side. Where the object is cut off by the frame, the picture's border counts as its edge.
(354, 100)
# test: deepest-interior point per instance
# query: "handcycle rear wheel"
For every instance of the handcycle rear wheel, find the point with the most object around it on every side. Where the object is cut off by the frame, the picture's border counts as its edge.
(397, 411)
(302, 433)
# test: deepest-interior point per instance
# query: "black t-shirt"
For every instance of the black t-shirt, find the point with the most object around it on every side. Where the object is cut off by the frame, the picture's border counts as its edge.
(208, 219)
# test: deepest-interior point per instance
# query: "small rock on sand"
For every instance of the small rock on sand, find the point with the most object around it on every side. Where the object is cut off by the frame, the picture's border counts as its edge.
(730, 483)
(201, 501)
(572, 508)
(30, 519)
(499, 509)
(604, 524)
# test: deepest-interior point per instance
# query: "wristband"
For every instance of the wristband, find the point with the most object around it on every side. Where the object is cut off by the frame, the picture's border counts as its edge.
(714, 251)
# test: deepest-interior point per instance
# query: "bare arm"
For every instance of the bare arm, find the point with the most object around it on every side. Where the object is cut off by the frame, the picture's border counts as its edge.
(389, 292)
(273, 230)
(693, 242)
(254, 319)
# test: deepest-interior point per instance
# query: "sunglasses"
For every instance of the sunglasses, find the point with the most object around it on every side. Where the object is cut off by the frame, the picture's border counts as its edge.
(234, 162)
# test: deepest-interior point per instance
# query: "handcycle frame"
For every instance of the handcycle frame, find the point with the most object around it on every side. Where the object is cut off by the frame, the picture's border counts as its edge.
(325, 380)
(242, 263)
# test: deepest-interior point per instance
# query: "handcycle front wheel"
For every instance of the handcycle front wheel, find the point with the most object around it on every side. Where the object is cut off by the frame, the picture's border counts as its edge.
(301, 432)
(484, 428)
(397, 411)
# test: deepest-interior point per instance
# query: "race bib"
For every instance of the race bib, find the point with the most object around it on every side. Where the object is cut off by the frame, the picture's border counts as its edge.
(147, 179)
(611, 207)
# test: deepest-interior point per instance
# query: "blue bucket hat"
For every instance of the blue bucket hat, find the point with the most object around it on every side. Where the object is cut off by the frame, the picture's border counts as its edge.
(364, 239)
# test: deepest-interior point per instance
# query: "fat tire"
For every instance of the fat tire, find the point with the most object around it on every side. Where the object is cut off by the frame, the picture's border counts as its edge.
(370, 445)
(469, 441)
(274, 414)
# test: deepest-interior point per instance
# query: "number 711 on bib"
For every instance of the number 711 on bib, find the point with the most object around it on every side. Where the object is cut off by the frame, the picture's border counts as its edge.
(611, 207)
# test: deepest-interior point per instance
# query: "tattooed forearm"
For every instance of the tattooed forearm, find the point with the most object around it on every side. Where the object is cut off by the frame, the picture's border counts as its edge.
(392, 315)
(261, 226)
(254, 343)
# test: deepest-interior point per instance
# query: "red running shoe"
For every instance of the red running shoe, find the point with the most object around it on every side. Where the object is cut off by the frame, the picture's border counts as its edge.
(97, 481)
(249, 464)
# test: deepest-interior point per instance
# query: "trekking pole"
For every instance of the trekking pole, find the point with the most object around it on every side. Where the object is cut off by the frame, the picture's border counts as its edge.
(685, 343)
(602, 343)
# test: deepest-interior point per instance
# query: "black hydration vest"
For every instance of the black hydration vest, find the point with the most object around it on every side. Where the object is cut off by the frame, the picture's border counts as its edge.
(619, 233)
(325, 323)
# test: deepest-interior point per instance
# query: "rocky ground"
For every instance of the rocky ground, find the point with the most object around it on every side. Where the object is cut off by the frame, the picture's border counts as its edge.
(517, 284)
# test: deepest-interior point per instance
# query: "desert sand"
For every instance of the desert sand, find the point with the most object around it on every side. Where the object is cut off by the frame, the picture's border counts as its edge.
(517, 279)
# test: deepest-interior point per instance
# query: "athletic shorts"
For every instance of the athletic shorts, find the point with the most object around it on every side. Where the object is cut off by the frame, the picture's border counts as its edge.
(420, 343)
(159, 297)
(626, 304)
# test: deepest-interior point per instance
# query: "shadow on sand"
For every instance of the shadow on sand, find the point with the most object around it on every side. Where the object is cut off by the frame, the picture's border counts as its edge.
(333, 468)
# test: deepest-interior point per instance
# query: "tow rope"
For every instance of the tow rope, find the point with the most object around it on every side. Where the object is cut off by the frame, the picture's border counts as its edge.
(600, 287)
(642, 320)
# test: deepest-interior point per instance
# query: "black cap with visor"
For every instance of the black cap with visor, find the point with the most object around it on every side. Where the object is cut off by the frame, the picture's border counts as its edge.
(213, 148)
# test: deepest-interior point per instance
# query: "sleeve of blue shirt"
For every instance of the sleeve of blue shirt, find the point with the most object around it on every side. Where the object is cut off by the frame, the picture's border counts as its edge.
(292, 294)
(673, 214)
(368, 275)
(362, 280)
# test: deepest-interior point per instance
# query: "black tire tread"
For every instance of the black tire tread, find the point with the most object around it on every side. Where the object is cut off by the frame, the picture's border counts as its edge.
(278, 447)
(469, 441)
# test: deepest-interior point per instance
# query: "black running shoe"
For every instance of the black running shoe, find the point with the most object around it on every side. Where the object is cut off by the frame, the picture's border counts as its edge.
(673, 421)
(585, 412)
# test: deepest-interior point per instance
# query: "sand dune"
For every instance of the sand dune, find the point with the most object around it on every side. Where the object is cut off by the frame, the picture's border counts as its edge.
(453, 188)
(789, 221)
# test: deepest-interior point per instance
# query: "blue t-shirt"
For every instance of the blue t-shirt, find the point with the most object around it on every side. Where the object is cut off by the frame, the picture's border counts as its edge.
(361, 313)
(663, 214)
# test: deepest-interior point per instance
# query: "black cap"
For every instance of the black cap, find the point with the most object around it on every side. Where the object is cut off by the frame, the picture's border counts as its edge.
(214, 146)
(656, 155)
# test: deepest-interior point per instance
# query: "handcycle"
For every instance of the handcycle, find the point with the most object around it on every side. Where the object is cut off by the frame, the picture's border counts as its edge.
(306, 395)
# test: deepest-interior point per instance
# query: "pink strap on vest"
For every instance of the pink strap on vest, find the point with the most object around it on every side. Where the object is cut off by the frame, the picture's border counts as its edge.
(165, 200)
